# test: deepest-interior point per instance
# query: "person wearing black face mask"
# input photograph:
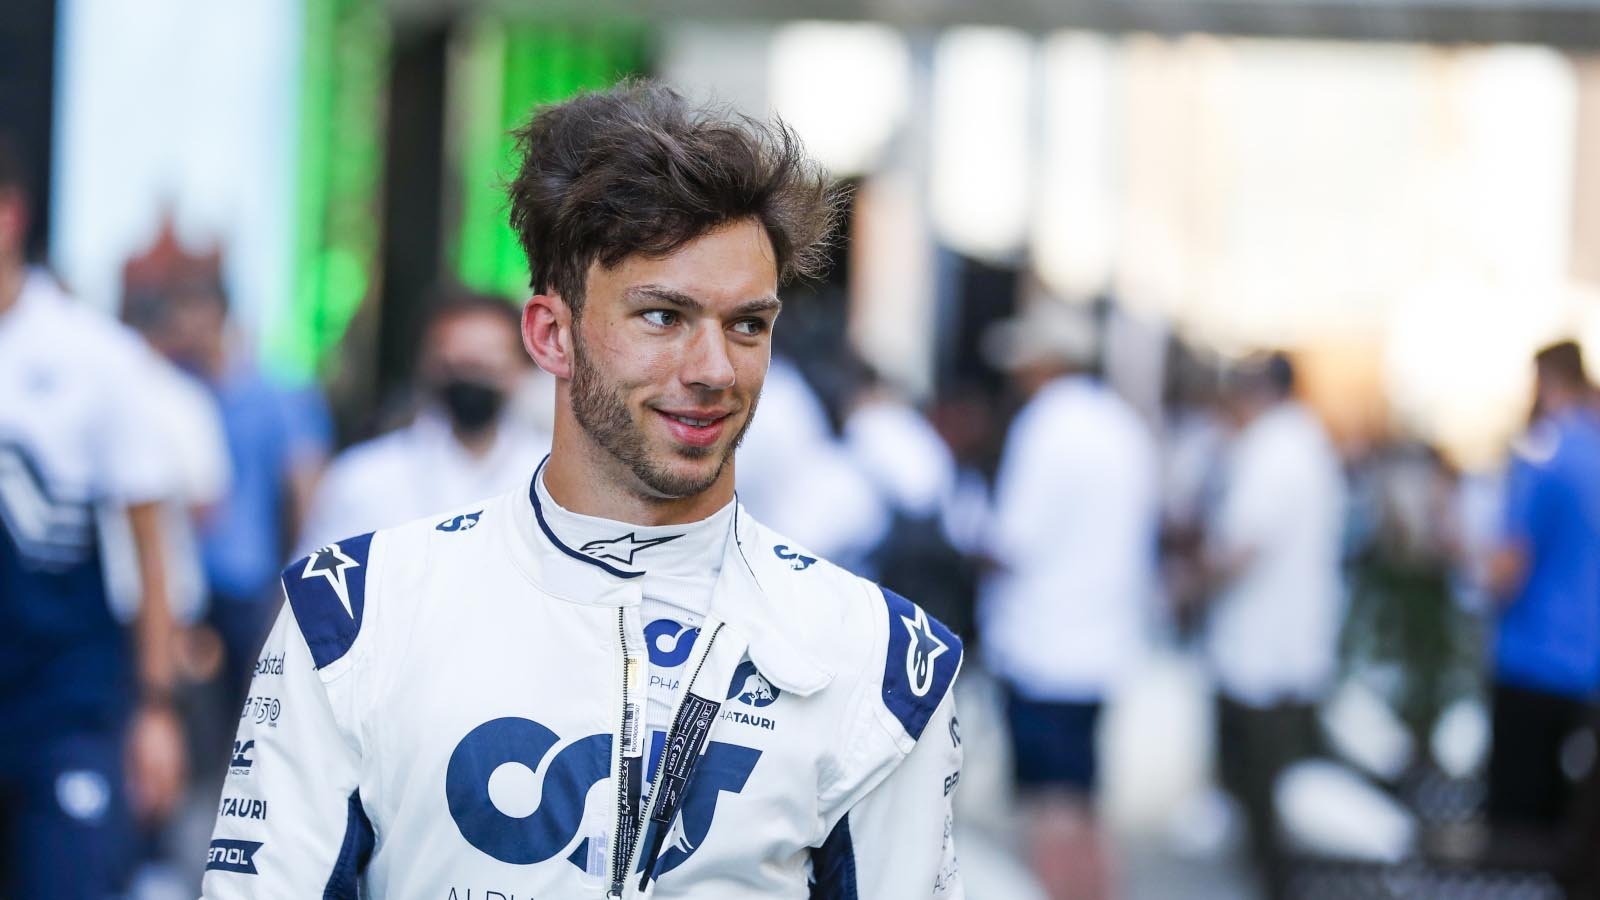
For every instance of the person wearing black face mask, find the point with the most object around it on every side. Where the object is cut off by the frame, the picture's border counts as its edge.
(467, 440)
(472, 403)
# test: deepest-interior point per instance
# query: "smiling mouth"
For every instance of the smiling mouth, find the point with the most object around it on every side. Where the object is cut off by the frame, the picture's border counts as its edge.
(699, 432)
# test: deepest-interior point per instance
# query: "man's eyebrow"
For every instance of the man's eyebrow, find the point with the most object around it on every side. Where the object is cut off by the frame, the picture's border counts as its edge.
(761, 305)
(664, 295)
(652, 292)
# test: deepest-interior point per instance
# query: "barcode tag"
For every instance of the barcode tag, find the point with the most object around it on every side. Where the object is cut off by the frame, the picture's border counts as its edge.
(633, 712)
(632, 745)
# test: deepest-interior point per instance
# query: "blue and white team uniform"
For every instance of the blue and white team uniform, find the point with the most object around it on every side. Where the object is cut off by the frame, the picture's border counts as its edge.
(513, 700)
(72, 443)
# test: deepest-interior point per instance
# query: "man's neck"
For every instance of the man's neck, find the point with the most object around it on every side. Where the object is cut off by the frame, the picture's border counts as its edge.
(584, 478)
(12, 274)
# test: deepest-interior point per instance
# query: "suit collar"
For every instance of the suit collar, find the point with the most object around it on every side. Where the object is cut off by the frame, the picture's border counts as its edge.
(758, 592)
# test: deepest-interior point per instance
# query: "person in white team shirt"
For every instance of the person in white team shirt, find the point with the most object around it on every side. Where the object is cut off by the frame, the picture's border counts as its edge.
(464, 442)
(1274, 547)
(91, 738)
(1073, 538)
(466, 706)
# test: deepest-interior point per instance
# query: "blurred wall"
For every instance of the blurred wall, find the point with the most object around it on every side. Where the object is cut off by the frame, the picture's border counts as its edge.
(184, 106)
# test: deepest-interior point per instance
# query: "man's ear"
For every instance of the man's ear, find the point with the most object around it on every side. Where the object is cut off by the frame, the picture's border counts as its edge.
(547, 333)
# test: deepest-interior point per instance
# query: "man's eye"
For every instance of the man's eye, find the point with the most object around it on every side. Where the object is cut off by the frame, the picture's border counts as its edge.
(750, 326)
(661, 317)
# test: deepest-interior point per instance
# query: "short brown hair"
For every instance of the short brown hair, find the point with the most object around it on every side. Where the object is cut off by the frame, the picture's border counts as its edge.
(639, 169)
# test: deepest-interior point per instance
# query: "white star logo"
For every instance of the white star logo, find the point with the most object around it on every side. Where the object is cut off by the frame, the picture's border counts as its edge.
(924, 648)
(331, 563)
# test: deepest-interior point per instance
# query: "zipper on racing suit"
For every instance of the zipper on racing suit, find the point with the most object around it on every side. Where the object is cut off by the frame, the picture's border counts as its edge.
(624, 835)
(657, 788)
(627, 844)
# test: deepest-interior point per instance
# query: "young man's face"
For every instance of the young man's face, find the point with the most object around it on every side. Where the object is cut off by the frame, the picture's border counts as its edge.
(670, 355)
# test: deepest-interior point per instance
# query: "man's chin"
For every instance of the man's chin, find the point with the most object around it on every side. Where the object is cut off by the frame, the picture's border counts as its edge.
(686, 471)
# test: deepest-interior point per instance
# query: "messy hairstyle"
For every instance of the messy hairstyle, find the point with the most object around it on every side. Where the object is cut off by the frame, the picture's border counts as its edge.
(638, 169)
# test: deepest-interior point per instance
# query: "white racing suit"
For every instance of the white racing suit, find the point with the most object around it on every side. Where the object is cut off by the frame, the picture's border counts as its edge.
(451, 710)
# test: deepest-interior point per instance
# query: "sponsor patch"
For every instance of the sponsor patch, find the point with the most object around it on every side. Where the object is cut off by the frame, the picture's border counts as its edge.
(262, 710)
(797, 561)
(460, 523)
(623, 549)
(243, 808)
(328, 593)
(233, 856)
(243, 758)
(922, 659)
(750, 688)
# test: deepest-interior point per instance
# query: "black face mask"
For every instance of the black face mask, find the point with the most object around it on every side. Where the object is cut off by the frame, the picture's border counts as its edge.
(472, 405)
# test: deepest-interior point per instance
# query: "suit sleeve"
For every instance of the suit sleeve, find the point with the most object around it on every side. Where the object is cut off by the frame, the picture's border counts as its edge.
(898, 842)
(290, 822)
(895, 841)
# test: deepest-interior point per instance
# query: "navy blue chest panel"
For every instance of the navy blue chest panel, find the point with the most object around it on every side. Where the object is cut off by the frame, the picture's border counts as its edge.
(922, 660)
(328, 591)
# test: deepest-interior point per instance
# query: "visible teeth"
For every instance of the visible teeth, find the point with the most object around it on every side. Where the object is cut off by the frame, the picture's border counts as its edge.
(698, 423)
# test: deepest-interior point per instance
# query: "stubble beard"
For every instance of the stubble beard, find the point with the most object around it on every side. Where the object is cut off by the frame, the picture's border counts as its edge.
(601, 411)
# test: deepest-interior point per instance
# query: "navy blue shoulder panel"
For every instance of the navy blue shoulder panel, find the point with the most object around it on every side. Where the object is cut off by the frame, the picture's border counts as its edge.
(922, 660)
(328, 591)
(833, 866)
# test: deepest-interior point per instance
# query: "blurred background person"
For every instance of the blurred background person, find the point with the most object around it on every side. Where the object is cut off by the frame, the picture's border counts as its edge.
(1546, 575)
(913, 473)
(1073, 544)
(86, 705)
(795, 472)
(460, 447)
(1274, 554)
(276, 443)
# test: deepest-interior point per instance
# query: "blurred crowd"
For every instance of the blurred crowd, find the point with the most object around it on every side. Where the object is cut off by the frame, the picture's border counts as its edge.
(1398, 659)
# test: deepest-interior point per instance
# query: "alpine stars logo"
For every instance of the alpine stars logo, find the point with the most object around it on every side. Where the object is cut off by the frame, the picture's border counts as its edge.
(332, 563)
(622, 549)
(924, 648)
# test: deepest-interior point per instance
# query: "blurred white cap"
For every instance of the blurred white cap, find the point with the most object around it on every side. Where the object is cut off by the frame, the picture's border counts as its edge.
(1050, 331)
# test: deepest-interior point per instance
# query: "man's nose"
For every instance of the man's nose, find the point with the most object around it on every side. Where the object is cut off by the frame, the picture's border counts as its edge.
(707, 364)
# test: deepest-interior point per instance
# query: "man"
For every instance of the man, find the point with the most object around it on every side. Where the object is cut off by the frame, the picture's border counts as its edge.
(463, 445)
(77, 698)
(275, 441)
(1273, 549)
(1547, 573)
(609, 681)
(1073, 540)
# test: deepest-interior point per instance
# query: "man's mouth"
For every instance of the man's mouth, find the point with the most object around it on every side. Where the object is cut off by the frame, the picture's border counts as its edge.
(697, 428)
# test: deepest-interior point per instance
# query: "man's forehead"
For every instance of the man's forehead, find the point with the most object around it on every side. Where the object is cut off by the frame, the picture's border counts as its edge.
(726, 267)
